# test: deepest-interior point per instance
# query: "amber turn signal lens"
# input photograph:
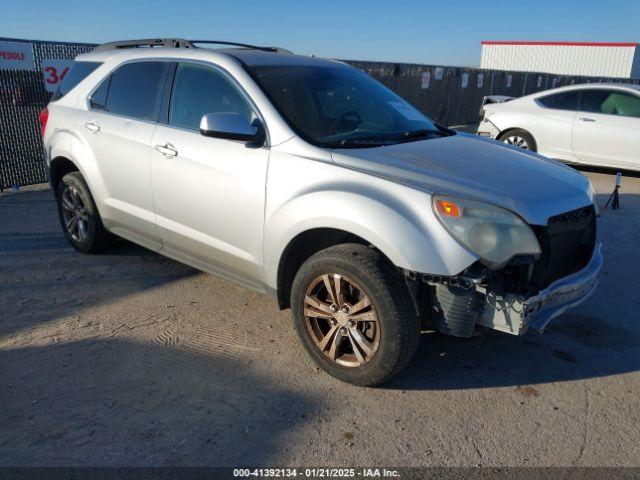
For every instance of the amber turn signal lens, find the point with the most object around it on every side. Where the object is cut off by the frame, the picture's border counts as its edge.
(447, 208)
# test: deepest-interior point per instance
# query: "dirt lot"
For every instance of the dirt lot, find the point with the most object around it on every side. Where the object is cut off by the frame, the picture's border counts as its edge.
(128, 358)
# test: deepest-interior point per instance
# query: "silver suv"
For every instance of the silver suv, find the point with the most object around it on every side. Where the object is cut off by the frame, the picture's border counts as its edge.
(307, 180)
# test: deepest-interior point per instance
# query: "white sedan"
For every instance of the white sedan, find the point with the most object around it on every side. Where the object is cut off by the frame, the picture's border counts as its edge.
(590, 124)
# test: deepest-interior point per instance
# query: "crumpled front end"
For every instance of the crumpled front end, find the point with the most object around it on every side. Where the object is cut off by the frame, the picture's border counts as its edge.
(515, 314)
(527, 293)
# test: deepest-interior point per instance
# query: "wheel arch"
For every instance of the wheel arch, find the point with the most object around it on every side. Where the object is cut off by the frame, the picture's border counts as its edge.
(407, 234)
(303, 246)
(511, 129)
(58, 168)
(68, 152)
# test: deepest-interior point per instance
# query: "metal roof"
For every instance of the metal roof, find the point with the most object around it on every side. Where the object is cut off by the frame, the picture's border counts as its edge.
(564, 44)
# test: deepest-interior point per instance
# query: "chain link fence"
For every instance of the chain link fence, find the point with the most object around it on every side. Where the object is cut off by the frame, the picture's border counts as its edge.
(450, 95)
(22, 97)
(453, 96)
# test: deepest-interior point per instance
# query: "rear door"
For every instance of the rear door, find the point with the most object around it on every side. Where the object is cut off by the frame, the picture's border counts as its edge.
(607, 128)
(120, 123)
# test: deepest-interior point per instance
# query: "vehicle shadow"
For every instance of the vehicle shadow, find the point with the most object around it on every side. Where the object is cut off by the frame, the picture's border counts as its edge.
(598, 338)
(577, 347)
(606, 170)
(110, 402)
(43, 278)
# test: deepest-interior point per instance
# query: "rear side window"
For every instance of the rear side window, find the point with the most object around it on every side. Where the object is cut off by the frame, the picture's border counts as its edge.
(561, 101)
(78, 72)
(610, 102)
(135, 90)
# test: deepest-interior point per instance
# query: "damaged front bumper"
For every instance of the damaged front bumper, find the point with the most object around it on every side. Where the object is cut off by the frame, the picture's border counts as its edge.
(487, 129)
(513, 314)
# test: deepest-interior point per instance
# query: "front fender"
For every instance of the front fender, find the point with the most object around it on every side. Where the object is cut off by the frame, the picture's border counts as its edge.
(403, 227)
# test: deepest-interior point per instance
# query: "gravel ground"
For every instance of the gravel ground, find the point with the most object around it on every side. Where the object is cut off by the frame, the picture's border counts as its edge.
(129, 358)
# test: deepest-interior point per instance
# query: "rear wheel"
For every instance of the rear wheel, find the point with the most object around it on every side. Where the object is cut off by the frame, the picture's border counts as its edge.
(519, 138)
(353, 314)
(79, 216)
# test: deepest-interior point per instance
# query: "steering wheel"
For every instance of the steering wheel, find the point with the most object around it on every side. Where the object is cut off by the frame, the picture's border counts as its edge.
(351, 113)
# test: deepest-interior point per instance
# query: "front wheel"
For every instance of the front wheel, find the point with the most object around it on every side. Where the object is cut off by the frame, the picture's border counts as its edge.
(519, 138)
(353, 314)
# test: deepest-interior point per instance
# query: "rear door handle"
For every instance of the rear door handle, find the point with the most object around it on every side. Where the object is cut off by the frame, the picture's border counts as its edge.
(167, 150)
(93, 126)
(587, 119)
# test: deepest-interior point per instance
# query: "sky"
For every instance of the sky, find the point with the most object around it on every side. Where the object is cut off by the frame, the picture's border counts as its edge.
(433, 32)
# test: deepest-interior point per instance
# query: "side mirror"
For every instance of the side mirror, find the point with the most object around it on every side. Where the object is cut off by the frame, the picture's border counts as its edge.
(232, 126)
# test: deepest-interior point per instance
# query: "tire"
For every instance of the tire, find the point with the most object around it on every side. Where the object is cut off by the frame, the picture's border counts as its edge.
(86, 233)
(382, 337)
(519, 138)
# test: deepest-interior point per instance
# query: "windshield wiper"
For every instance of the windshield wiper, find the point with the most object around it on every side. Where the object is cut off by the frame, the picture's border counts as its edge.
(370, 142)
(359, 143)
(413, 134)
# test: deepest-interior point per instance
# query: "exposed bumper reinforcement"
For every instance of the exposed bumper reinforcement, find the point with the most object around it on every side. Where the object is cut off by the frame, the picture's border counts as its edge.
(513, 314)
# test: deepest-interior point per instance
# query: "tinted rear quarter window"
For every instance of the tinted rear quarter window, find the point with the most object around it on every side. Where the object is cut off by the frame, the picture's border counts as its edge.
(561, 101)
(135, 90)
(98, 98)
(78, 72)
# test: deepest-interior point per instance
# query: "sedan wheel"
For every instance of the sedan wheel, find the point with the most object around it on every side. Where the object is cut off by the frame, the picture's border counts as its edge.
(517, 141)
(519, 138)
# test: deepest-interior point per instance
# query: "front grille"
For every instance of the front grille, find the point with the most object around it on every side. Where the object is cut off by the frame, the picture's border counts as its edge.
(567, 244)
(572, 217)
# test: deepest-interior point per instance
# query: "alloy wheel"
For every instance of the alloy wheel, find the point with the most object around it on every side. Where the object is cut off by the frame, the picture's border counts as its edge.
(341, 320)
(516, 141)
(74, 214)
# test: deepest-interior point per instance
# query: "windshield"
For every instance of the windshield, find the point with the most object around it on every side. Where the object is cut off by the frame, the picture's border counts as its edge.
(342, 107)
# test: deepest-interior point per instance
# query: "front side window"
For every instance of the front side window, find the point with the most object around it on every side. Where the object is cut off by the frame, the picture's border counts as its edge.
(135, 90)
(610, 102)
(339, 106)
(197, 90)
(561, 101)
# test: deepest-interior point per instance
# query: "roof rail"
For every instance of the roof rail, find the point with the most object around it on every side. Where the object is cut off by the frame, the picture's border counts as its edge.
(148, 42)
(242, 45)
(179, 43)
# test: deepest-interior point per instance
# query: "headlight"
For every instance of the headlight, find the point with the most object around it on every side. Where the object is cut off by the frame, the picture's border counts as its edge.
(495, 234)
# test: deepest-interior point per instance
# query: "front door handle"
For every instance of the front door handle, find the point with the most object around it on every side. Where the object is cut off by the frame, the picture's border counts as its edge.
(167, 150)
(93, 126)
(587, 119)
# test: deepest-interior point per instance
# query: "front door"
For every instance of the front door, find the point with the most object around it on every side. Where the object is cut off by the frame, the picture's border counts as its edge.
(607, 128)
(209, 193)
(554, 122)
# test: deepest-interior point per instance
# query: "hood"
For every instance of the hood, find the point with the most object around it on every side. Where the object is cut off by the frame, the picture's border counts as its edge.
(468, 166)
